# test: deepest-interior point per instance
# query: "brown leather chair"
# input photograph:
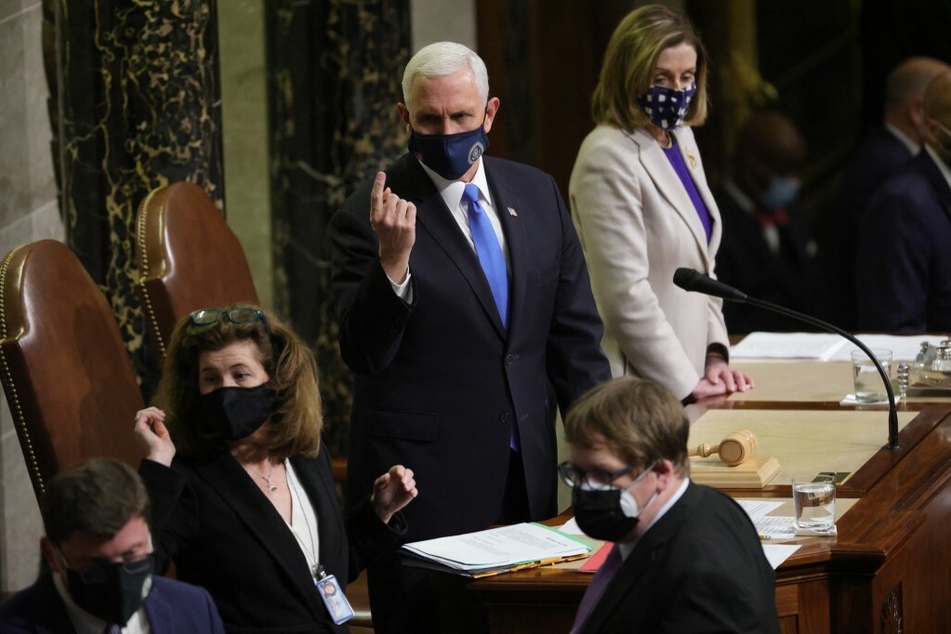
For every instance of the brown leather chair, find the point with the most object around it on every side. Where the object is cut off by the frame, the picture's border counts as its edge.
(64, 367)
(188, 258)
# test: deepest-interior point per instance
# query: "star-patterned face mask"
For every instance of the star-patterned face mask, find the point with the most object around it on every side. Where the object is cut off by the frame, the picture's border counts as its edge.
(667, 107)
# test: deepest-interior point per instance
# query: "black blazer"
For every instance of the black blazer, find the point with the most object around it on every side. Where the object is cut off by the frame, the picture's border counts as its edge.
(439, 383)
(223, 534)
(700, 568)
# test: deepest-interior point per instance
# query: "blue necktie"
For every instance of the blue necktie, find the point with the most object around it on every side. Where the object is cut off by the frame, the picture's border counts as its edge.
(488, 250)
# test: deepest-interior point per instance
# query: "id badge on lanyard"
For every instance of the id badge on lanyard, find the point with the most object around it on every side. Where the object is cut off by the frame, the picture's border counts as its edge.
(332, 595)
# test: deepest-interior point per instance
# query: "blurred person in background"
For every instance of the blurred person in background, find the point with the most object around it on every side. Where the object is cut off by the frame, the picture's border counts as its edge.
(766, 251)
(903, 259)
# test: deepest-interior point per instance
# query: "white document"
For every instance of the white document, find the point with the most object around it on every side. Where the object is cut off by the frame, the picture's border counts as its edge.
(903, 347)
(788, 345)
(499, 547)
(769, 527)
(778, 553)
(825, 346)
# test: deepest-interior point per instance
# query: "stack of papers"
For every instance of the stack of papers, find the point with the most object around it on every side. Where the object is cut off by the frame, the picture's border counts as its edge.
(771, 529)
(821, 346)
(496, 550)
(788, 345)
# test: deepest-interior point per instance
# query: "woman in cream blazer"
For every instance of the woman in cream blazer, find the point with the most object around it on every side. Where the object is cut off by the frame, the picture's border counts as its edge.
(635, 218)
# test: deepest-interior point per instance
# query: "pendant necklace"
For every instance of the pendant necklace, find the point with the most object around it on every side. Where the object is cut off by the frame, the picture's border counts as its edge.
(267, 478)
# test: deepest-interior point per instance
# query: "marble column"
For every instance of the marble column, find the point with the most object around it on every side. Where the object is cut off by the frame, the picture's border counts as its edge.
(334, 70)
(136, 105)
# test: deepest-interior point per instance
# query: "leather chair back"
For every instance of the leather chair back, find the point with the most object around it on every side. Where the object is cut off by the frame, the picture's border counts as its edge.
(188, 258)
(65, 370)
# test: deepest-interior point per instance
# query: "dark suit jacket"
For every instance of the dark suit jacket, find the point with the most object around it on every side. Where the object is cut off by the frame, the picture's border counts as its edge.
(700, 568)
(903, 260)
(439, 383)
(171, 607)
(223, 534)
(745, 261)
(879, 155)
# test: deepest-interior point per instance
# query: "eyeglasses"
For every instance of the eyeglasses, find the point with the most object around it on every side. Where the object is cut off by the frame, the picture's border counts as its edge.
(208, 316)
(597, 478)
(575, 477)
(101, 571)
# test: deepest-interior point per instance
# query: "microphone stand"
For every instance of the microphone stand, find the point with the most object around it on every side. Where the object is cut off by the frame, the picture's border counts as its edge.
(688, 279)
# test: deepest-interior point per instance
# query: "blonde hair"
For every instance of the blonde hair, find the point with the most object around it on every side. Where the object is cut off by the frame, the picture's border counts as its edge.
(640, 421)
(294, 427)
(629, 64)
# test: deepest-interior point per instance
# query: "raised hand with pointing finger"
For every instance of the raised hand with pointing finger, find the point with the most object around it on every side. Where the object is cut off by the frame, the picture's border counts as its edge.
(459, 358)
(394, 223)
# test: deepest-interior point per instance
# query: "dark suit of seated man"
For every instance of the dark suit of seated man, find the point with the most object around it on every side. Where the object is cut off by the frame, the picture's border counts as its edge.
(686, 557)
(99, 576)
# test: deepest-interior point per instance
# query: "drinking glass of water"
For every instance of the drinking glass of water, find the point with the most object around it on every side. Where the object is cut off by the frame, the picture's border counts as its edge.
(869, 387)
(814, 501)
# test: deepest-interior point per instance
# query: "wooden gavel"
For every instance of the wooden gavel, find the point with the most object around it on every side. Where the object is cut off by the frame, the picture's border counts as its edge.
(733, 449)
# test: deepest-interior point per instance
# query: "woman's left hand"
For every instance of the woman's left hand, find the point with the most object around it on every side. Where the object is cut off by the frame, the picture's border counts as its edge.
(392, 491)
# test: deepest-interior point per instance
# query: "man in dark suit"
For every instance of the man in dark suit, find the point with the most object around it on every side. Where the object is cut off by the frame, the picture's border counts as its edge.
(885, 148)
(465, 310)
(903, 258)
(99, 576)
(686, 557)
(765, 250)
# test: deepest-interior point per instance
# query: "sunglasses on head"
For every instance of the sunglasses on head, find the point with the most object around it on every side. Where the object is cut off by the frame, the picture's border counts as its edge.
(209, 316)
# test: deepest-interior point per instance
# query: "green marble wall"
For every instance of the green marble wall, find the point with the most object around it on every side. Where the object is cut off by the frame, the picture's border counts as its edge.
(245, 141)
(334, 70)
(135, 105)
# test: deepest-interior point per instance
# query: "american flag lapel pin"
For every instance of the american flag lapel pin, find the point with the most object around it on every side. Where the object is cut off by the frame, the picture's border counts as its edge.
(512, 212)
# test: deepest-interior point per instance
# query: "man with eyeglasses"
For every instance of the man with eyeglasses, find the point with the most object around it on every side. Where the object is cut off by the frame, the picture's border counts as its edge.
(686, 557)
(99, 577)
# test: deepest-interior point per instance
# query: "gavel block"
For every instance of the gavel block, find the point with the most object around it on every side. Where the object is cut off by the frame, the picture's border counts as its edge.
(736, 447)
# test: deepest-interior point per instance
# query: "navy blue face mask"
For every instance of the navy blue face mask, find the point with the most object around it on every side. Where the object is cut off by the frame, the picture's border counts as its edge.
(667, 107)
(449, 155)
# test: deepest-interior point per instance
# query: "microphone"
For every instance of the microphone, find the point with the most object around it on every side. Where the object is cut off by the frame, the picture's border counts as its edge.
(695, 281)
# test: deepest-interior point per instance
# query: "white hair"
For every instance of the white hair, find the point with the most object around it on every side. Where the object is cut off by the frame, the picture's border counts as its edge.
(445, 58)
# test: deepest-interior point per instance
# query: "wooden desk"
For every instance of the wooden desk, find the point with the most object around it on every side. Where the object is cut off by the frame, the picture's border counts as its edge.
(887, 571)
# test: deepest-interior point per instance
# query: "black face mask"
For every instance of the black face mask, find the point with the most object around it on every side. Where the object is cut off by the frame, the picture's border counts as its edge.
(599, 514)
(235, 412)
(114, 592)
